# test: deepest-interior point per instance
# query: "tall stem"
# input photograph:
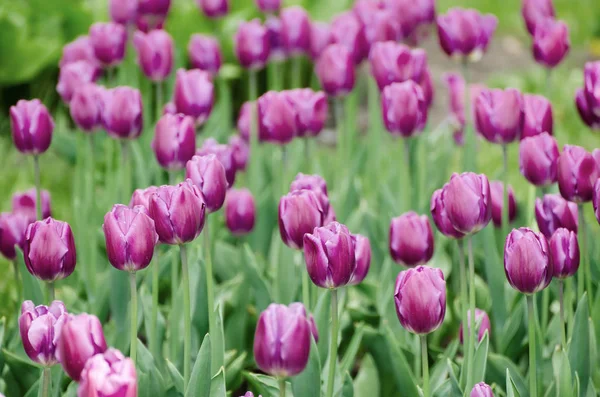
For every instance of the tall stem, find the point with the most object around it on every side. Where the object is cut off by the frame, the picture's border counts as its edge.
(282, 387)
(425, 362)
(154, 343)
(532, 358)
(158, 94)
(38, 188)
(464, 304)
(333, 346)
(255, 158)
(274, 76)
(46, 380)
(409, 181)
(338, 108)
(133, 289)
(305, 289)
(562, 314)
(18, 280)
(125, 175)
(469, 160)
(187, 317)
(587, 274)
(470, 330)
(212, 320)
(505, 203)
(50, 291)
(296, 79)
(545, 309)
(92, 210)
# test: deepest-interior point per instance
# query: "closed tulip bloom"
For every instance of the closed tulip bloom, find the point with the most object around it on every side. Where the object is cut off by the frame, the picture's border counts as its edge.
(142, 197)
(465, 33)
(527, 261)
(537, 115)
(420, 297)
(378, 21)
(426, 84)
(591, 79)
(536, 11)
(148, 22)
(122, 11)
(317, 185)
(300, 212)
(86, 107)
(268, 6)
(194, 94)
(577, 173)
(241, 152)
(404, 109)
(224, 153)
(392, 62)
(122, 113)
(440, 215)
(214, 8)
(347, 30)
(40, 328)
(411, 239)
(240, 211)
(553, 212)
(362, 256)
(79, 49)
(169, 108)
(564, 250)
(277, 51)
(335, 70)
(482, 322)
(551, 42)
(31, 125)
(243, 121)
(481, 390)
(311, 110)
(108, 40)
(80, 339)
(208, 174)
(585, 110)
(538, 156)
(295, 30)
(154, 7)
(12, 233)
(74, 75)
(178, 213)
(252, 44)
(154, 53)
(49, 250)
(282, 340)
(174, 141)
(320, 38)
(467, 200)
(499, 115)
(497, 191)
(24, 203)
(456, 90)
(277, 118)
(204, 53)
(109, 374)
(330, 255)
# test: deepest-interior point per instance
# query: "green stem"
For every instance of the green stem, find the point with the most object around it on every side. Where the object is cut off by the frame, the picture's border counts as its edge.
(154, 343)
(545, 309)
(296, 78)
(46, 381)
(409, 181)
(255, 158)
(425, 362)
(333, 346)
(469, 159)
(282, 387)
(92, 210)
(305, 289)
(569, 305)
(532, 357)
(212, 320)
(505, 203)
(38, 188)
(187, 317)
(274, 72)
(338, 108)
(463, 289)
(470, 330)
(307, 160)
(375, 128)
(18, 280)
(50, 291)
(562, 314)
(158, 94)
(133, 290)
(586, 274)
(125, 175)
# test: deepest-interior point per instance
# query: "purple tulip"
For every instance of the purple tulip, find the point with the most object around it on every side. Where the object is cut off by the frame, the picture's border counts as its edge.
(208, 174)
(174, 141)
(413, 18)
(108, 40)
(79, 49)
(86, 107)
(122, 113)
(154, 7)
(330, 256)
(394, 63)
(274, 32)
(214, 8)
(24, 203)
(241, 152)
(109, 374)
(80, 339)
(282, 340)
(240, 211)
(467, 202)
(320, 38)
(300, 212)
(295, 30)
(123, 11)
(249, 394)
(49, 250)
(404, 109)
(499, 115)
(204, 53)
(225, 154)
(482, 322)
(456, 104)
(420, 297)
(74, 75)
(497, 191)
(243, 121)
(311, 110)
(537, 115)
(465, 33)
(551, 42)
(335, 70)
(553, 212)
(527, 261)
(536, 11)
(378, 21)
(252, 44)
(317, 185)
(347, 30)
(142, 197)
(591, 78)
(31, 126)
(577, 173)
(277, 118)
(585, 110)
(194, 94)
(426, 84)
(538, 156)
(362, 257)
(564, 250)
(40, 328)
(169, 108)
(411, 239)
(155, 53)
(268, 6)
(178, 213)
(481, 390)
(12, 233)
(440, 215)
(149, 22)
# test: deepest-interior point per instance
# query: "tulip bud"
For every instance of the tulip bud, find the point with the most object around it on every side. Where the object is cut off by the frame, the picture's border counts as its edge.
(268, 6)
(577, 173)
(467, 202)
(169, 108)
(243, 121)
(482, 324)
(204, 53)
(49, 250)
(178, 213)
(174, 141)
(347, 30)
(295, 30)
(108, 375)
(426, 84)
(154, 7)
(240, 211)
(300, 212)
(155, 53)
(465, 33)
(79, 49)
(86, 107)
(362, 256)
(277, 51)
(378, 21)
(149, 22)
(335, 70)
(74, 75)
(420, 297)
(194, 94)
(282, 340)
(31, 126)
(311, 110)
(595, 198)
(412, 17)
(214, 8)
(320, 38)
(537, 115)
(108, 40)
(404, 109)
(553, 212)
(252, 44)
(497, 191)
(40, 328)
(591, 79)
(142, 197)
(249, 394)
(394, 63)
(536, 11)
(527, 261)
(456, 90)
(224, 153)
(241, 152)
(564, 251)
(317, 185)
(208, 174)
(122, 113)
(551, 42)
(80, 339)
(277, 118)
(585, 110)
(411, 239)
(499, 115)
(538, 156)
(481, 390)
(24, 203)
(12, 233)
(123, 11)
(440, 215)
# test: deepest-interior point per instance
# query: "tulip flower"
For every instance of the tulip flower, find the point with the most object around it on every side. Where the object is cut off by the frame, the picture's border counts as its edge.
(394, 63)
(155, 53)
(123, 11)
(108, 40)
(378, 21)
(142, 197)
(241, 152)
(80, 339)
(12, 233)
(277, 51)
(295, 30)
(499, 115)
(149, 22)
(550, 42)
(536, 11)
(537, 116)
(40, 328)
(595, 202)
(268, 6)
(497, 191)
(362, 256)
(31, 126)
(86, 107)
(240, 211)
(538, 156)
(109, 374)
(276, 118)
(122, 113)
(527, 261)
(225, 154)
(193, 94)
(456, 90)
(426, 84)
(577, 173)
(300, 212)
(154, 7)
(564, 251)
(204, 53)
(317, 185)
(411, 239)
(481, 390)
(252, 44)
(320, 38)
(347, 30)
(208, 174)
(74, 75)
(335, 70)
(467, 202)
(440, 215)
(553, 212)
(24, 203)
(404, 109)
(243, 121)
(585, 110)
(482, 324)
(214, 8)
(311, 110)
(79, 49)
(174, 141)
(588, 98)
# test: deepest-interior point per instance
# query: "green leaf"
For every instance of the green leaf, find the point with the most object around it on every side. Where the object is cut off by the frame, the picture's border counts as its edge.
(119, 307)
(404, 375)
(495, 277)
(234, 370)
(308, 382)
(261, 289)
(265, 385)
(147, 365)
(579, 347)
(322, 318)
(352, 349)
(200, 379)
(26, 372)
(175, 377)
(347, 389)
(217, 342)
(480, 359)
(562, 373)
(367, 380)
(497, 369)
(511, 389)
(217, 384)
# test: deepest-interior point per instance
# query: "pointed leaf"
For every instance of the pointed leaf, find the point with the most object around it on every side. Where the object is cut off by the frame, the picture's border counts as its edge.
(175, 377)
(308, 382)
(200, 379)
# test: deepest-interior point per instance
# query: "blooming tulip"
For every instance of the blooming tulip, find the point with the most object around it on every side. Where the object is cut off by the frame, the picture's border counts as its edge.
(108, 375)
(12, 233)
(378, 21)
(194, 94)
(394, 63)
(149, 22)
(86, 107)
(122, 11)
(74, 75)
(24, 203)
(538, 156)
(527, 261)
(225, 154)
(482, 322)
(320, 38)
(537, 115)
(300, 212)
(318, 186)
(142, 197)
(411, 239)
(204, 53)
(585, 110)
(154, 7)
(277, 51)
(122, 113)
(404, 109)
(440, 215)
(535, 12)
(481, 390)
(588, 98)
(295, 30)
(174, 141)
(243, 121)
(412, 17)
(31, 126)
(108, 40)
(362, 256)
(551, 42)
(40, 328)
(347, 30)
(214, 8)
(465, 33)
(467, 202)
(252, 44)
(564, 251)
(155, 53)
(240, 211)
(277, 118)
(335, 70)
(497, 191)
(311, 110)
(577, 173)
(241, 152)
(553, 212)
(208, 174)
(49, 250)
(268, 6)
(499, 115)
(79, 49)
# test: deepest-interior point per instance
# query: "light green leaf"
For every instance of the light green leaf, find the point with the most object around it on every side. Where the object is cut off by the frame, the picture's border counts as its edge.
(217, 384)
(261, 289)
(352, 349)
(579, 347)
(217, 342)
(322, 318)
(366, 383)
(480, 359)
(562, 373)
(175, 377)
(308, 382)
(200, 379)
(404, 375)
(511, 389)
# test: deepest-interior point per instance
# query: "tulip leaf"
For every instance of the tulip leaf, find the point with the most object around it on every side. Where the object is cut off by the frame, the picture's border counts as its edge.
(147, 364)
(346, 388)
(366, 382)
(562, 373)
(513, 331)
(261, 289)
(441, 369)
(266, 386)
(308, 382)
(497, 369)
(200, 379)
(234, 370)
(322, 318)
(119, 307)
(495, 278)
(217, 342)
(591, 390)
(217, 384)
(352, 349)
(175, 377)
(31, 286)
(579, 348)
(26, 372)
(404, 375)
(511, 389)
(480, 359)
